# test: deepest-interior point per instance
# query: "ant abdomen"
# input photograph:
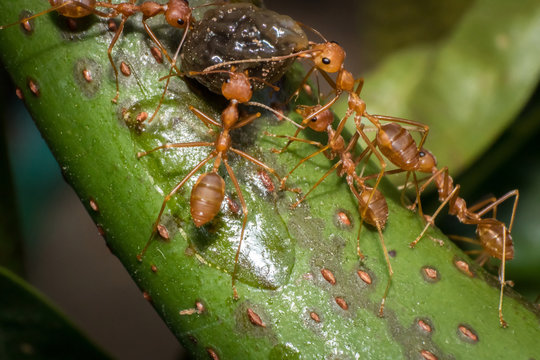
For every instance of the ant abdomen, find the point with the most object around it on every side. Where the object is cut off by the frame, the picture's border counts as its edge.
(206, 198)
(74, 10)
(491, 234)
(398, 146)
(376, 209)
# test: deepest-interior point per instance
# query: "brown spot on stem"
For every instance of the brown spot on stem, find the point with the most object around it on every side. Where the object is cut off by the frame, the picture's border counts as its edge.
(233, 205)
(428, 355)
(328, 276)
(156, 53)
(364, 276)
(111, 25)
(315, 316)
(94, 205)
(212, 353)
(124, 68)
(19, 93)
(266, 180)
(342, 303)
(424, 326)
(153, 268)
(463, 267)
(142, 116)
(33, 86)
(100, 230)
(343, 218)
(163, 232)
(392, 253)
(146, 296)
(467, 334)
(198, 309)
(430, 274)
(87, 75)
(255, 318)
(193, 339)
(27, 26)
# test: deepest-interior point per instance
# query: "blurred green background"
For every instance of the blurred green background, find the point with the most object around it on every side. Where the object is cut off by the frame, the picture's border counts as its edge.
(61, 244)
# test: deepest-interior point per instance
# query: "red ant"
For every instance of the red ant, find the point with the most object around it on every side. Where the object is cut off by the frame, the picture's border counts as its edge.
(209, 190)
(493, 235)
(177, 14)
(371, 203)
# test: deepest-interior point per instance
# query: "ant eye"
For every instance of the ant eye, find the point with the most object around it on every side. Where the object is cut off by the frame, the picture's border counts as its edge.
(180, 21)
(326, 61)
(314, 119)
(228, 81)
(334, 42)
(422, 154)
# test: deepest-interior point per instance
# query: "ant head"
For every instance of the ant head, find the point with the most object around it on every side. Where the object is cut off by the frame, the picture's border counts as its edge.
(329, 57)
(427, 161)
(178, 13)
(237, 87)
(319, 122)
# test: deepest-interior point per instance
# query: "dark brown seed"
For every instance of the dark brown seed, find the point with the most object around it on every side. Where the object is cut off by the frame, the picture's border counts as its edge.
(328, 276)
(19, 93)
(342, 303)
(212, 353)
(157, 54)
(142, 116)
(364, 276)
(315, 316)
(124, 68)
(163, 232)
(154, 268)
(428, 355)
(424, 326)
(468, 333)
(255, 318)
(34, 88)
(463, 267)
(94, 205)
(87, 75)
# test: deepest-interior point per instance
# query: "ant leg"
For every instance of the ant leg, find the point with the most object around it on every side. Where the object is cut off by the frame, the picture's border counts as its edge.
(464, 239)
(258, 163)
(246, 121)
(306, 141)
(322, 149)
(332, 169)
(302, 83)
(173, 64)
(503, 198)
(450, 196)
(244, 222)
(109, 54)
(390, 271)
(207, 120)
(168, 197)
(179, 145)
(501, 278)
(275, 112)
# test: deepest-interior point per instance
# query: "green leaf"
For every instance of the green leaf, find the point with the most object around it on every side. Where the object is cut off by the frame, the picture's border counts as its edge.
(188, 279)
(470, 85)
(31, 328)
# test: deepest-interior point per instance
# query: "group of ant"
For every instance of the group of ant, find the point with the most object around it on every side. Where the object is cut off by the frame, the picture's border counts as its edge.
(392, 143)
